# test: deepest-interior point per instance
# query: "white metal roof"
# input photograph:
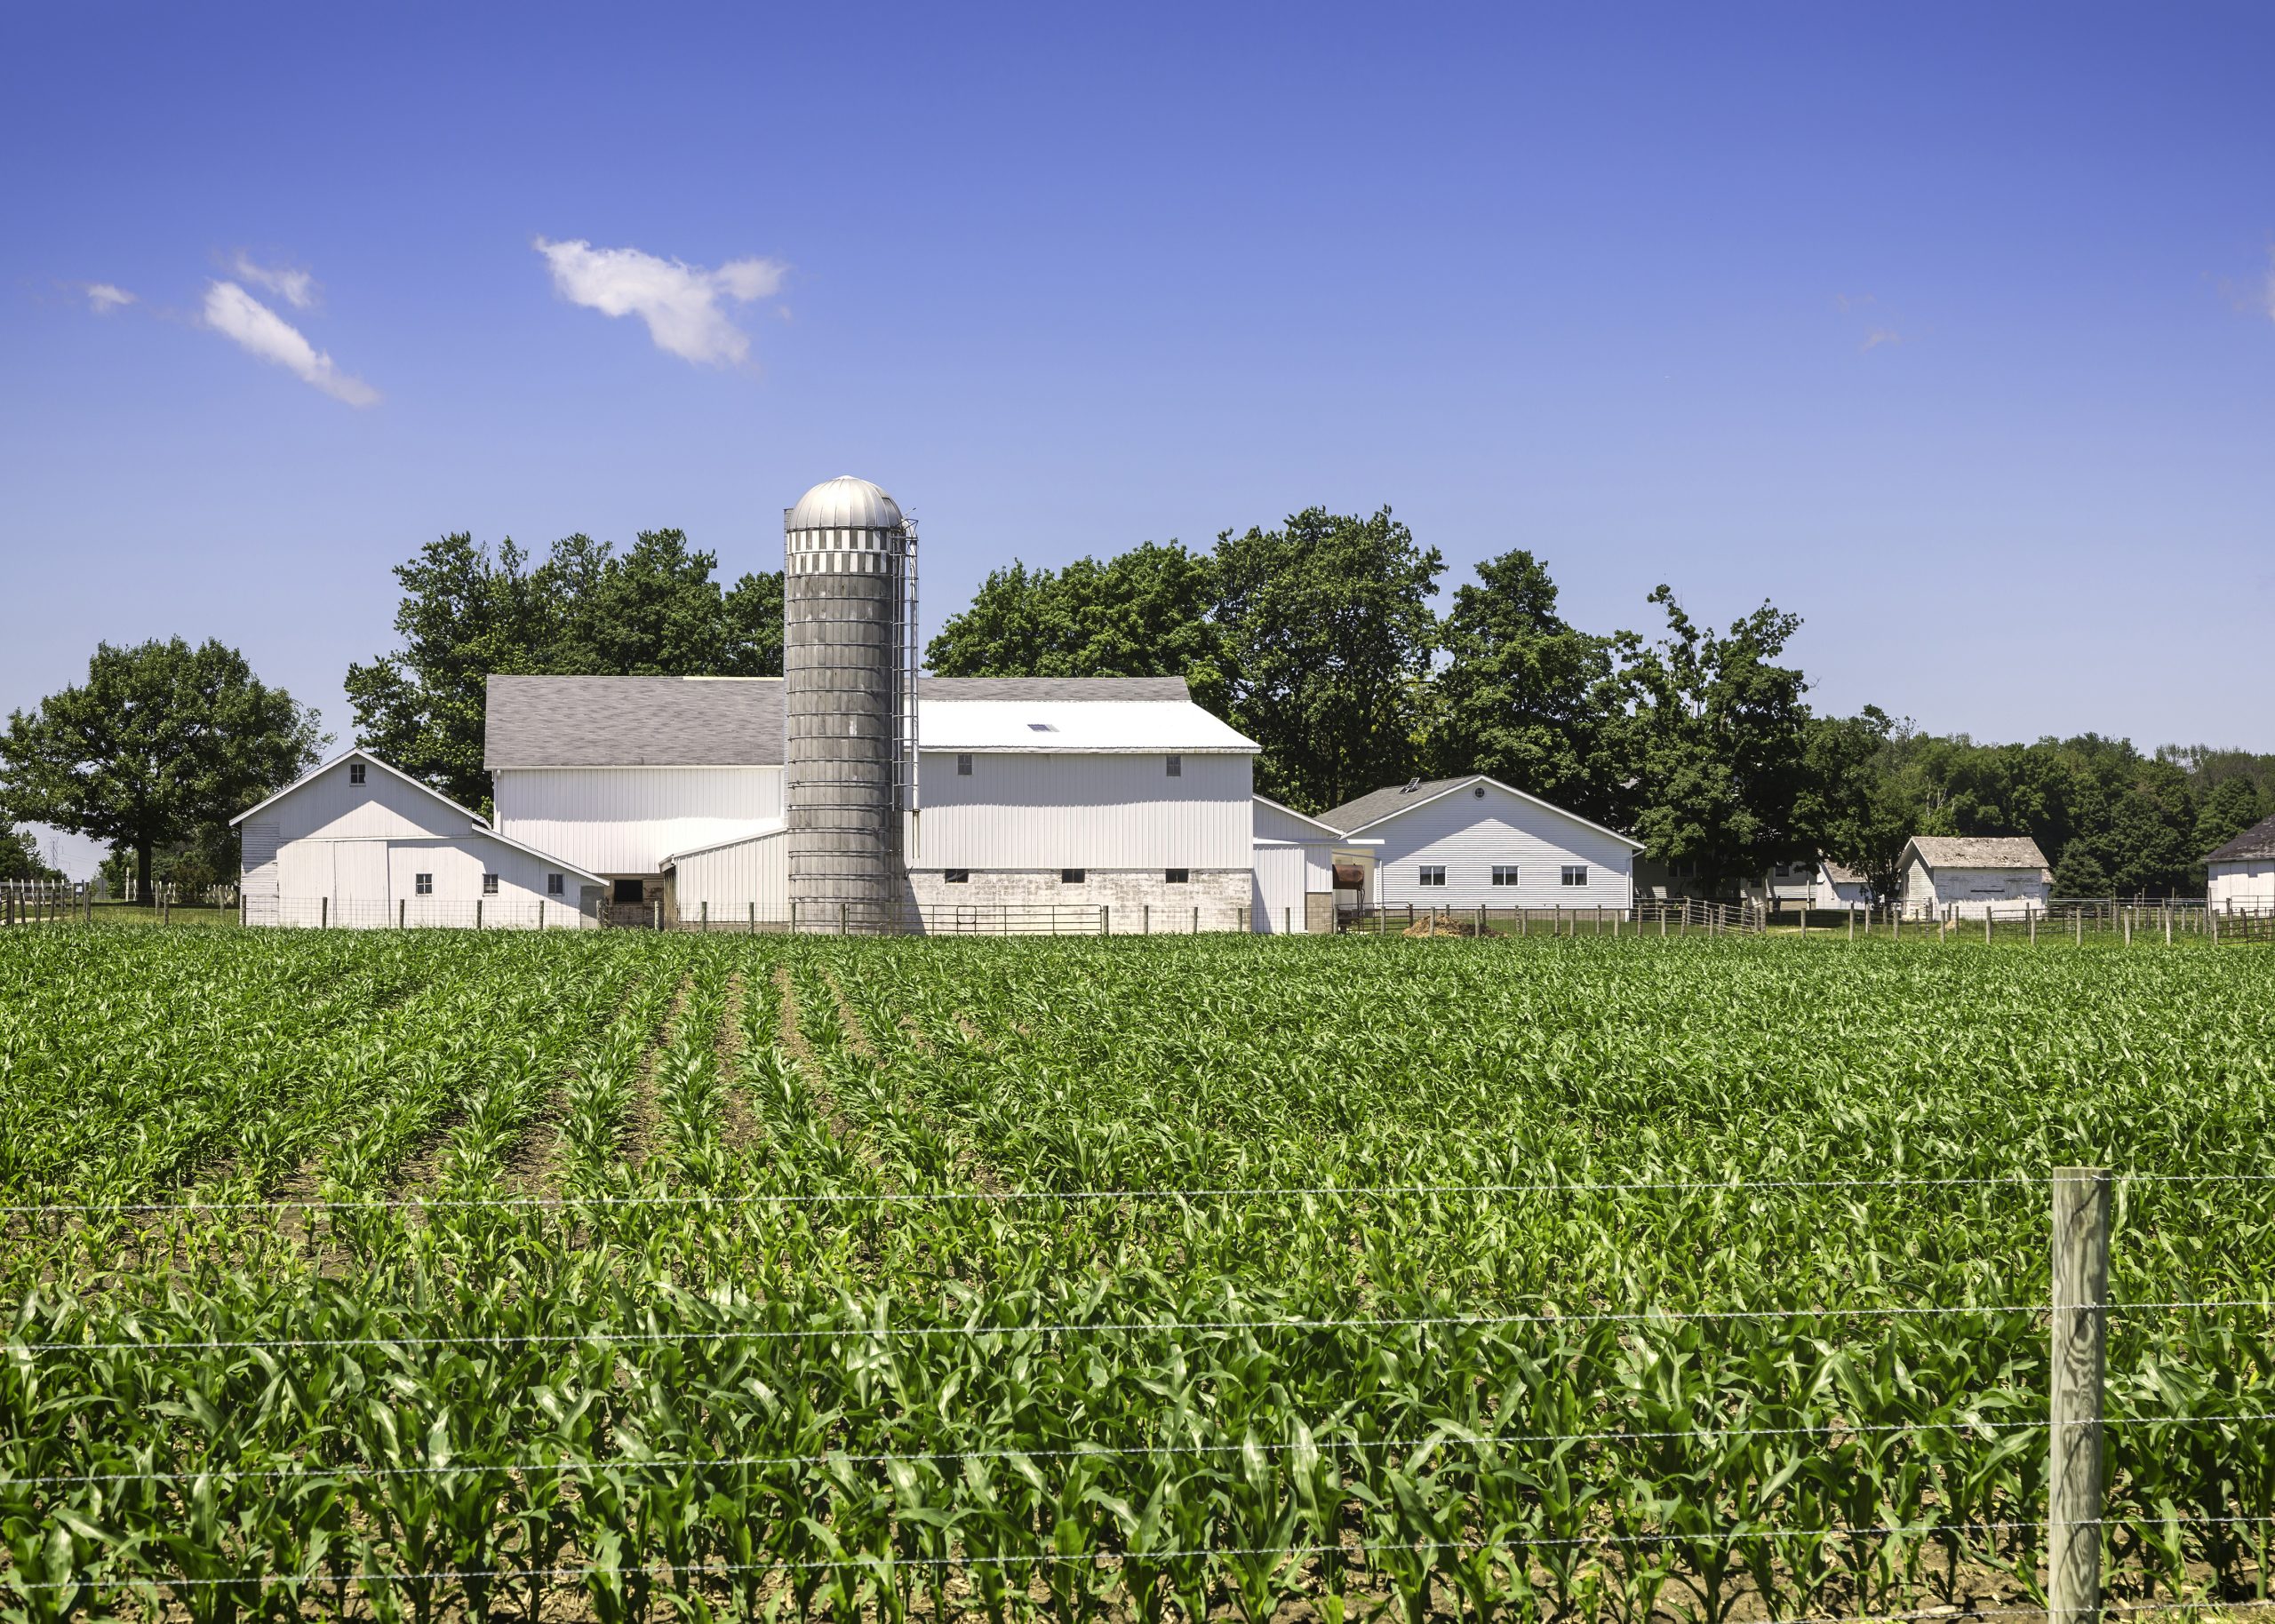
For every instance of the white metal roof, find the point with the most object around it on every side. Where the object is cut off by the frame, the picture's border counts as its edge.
(1056, 726)
(843, 504)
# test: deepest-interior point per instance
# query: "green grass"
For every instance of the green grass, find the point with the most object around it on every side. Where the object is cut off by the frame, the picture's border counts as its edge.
(853, 1261)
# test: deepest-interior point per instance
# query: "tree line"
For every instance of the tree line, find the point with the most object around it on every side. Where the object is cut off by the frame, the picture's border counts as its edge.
(1317, 638)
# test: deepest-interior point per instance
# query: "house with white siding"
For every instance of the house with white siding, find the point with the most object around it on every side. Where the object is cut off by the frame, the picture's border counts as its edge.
(1463, 842)
(1968, 875)
(2240, 875)
(355, 843)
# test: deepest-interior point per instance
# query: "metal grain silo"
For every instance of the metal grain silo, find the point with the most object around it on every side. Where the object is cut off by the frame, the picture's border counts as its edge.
(848, 690)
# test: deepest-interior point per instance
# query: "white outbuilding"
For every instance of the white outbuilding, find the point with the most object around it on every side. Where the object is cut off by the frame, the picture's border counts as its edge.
(1471, 841)
(1966, 875)
(2240, 876)
(356, 844)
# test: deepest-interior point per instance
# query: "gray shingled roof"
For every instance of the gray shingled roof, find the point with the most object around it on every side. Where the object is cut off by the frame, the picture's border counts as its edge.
(1381, 803)
(2258, 841)
(1127, 690)
(1841, 874)
(697, 722)
(1978, 851)
(632, 722)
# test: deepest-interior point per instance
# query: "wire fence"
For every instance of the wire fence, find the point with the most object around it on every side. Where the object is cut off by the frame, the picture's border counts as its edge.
(1137, 1557)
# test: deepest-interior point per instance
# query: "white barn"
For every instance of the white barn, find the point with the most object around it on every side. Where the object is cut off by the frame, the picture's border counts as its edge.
(1970, 874)
(2240, 875)
(1463, 842)
(356, 844)
(1296, 858)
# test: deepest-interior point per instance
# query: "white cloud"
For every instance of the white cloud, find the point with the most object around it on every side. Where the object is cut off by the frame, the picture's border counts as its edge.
(102, 299)
(296, 289)
(254, 327)
(1879, 336)
(2271, 284)
(680, 302)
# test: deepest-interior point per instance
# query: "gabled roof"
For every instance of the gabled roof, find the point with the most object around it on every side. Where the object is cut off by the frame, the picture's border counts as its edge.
(1329, 830)
(2258, 841)
(764, 829)
(1065, 690)
(1383, 805)
(1839, 874)
(360, 754)
(633, 721)
(1977, 851)
(1058, 727)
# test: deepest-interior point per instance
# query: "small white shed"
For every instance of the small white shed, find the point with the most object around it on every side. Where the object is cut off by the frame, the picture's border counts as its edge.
(1460, 842)
(1968, 875)
(1294, 887)
(356, 844)
(2240, 876)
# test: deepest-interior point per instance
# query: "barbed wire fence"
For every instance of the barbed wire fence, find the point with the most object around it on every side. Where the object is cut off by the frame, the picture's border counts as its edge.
(2076, 1526)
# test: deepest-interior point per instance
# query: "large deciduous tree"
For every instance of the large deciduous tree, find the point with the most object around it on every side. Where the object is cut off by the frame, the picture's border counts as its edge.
(1143, 613)
(160, 744)
(1524, 696)
(19, 857)
(469, 614)
(1719, 745)
(1327, 641)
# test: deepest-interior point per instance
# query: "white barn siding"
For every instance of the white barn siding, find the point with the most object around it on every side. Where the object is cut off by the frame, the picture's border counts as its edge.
(1971, 890)
(2250, 883)
(1467, 836)
(748, 879)
(616, 820)
(1281, 880)
(1089, 811)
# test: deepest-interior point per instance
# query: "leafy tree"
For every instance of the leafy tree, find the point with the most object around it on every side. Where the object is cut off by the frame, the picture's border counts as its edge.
(467, 614)
(2228, 808)
(162, 741)
(1854, 804)
(1143, 613)
(1525, 697)
(19, 857)
(1719, 741)
(1327, 640)
(2079, 873)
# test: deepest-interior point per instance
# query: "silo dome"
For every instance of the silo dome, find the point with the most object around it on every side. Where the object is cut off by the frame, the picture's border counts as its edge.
(843, 504)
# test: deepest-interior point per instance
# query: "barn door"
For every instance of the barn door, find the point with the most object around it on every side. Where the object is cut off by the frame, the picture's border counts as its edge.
(359, 873)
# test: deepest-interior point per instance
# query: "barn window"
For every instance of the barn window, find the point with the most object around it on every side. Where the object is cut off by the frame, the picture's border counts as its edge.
(1576, 873)
(1432, 874)
(1070, 875)
(955, 876)
(490, 884)
(424, 884)
(355, 772)
(1177, 766)
(1176, 876)
(1504, 874)
(963, 767)
(553, 885)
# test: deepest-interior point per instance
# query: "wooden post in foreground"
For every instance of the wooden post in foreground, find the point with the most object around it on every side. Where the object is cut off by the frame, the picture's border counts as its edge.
(2081, 1349)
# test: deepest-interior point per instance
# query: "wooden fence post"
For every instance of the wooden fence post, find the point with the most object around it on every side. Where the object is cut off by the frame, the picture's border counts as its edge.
(2081, 1348)
(401, 911)
(323, 912)
(477, 913)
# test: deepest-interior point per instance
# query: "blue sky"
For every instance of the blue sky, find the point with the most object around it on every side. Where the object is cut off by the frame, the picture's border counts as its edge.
(1950, 329)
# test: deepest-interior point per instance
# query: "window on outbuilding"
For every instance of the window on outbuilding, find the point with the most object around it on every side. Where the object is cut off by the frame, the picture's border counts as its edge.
(963, 767)
(1432, 874)
(1504, 874)
(1576, 873)
(424, 884)
(355, 772)
(1177, 766)
(490, 884)
(955, 876)
(1070, 875)
(1176, 876)
(555, 884)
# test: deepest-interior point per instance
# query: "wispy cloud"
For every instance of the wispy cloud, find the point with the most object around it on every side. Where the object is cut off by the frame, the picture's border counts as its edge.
(254, 327)
(296, 288)
(2269, 290)
(1879, 336)
(680, 302)
(102, 299)
(1847, 302)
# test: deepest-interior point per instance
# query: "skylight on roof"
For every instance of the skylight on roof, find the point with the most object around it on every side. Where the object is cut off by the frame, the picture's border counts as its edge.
(1041, 727)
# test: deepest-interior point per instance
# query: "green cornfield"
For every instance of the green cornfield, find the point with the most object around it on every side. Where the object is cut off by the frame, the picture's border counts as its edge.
(444, 1275)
